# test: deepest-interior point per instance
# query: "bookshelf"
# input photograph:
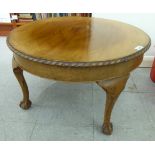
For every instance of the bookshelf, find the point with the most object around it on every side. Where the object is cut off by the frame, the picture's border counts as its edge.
(18, 19)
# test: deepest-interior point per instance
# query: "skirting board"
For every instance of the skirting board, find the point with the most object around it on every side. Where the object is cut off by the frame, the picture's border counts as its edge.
(147, 61)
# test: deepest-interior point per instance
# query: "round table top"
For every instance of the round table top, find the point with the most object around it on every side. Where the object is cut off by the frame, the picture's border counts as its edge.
(78, 40)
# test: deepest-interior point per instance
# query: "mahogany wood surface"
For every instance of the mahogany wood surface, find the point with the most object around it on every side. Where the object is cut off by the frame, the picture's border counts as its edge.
(79, 49)
(77, 39)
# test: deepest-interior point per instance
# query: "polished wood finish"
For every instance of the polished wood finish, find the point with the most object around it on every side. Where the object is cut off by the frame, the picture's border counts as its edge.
(77, 39)
(79, 49)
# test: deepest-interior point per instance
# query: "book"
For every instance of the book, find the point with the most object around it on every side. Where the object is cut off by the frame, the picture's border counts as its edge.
(25, 15)
(38, 16)
(25, 20)
(33, 16)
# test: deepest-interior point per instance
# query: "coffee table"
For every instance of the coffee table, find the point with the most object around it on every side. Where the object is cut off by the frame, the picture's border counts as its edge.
(78, 49)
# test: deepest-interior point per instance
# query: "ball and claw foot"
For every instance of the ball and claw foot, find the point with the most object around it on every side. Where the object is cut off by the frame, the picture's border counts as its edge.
(26, 105)
(107, 129)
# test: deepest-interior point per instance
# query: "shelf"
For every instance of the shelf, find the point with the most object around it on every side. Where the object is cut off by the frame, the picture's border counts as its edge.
(5, 28)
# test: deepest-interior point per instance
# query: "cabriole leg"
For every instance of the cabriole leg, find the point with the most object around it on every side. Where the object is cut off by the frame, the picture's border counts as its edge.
(113, 88)
(25, 103)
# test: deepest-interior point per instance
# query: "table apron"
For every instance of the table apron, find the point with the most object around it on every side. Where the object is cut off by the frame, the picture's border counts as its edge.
(78, 74)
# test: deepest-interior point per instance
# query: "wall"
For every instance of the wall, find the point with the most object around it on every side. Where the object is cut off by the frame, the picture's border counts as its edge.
(4, 17)
(145, 21)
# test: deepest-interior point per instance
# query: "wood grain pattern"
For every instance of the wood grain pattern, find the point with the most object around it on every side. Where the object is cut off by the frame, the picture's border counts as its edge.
(78, 40)
(78, 49)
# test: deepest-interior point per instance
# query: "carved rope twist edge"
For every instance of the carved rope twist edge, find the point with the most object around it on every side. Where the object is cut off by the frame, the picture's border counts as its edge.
(78, 64)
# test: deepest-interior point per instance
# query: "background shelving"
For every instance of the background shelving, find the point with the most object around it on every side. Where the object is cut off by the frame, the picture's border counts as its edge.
(18, 19)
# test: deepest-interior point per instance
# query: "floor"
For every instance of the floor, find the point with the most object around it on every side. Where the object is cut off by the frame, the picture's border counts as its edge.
(63, 111)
